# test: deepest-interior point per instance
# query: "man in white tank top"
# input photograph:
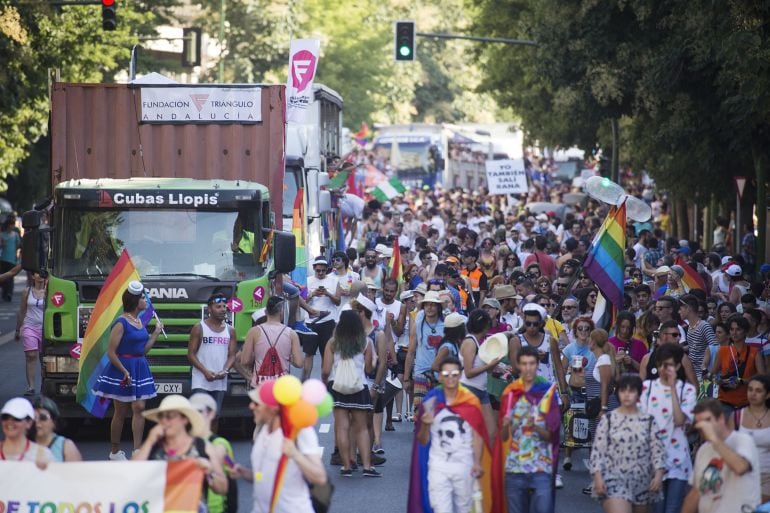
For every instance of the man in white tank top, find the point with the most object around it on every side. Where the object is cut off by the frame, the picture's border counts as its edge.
(211, 351)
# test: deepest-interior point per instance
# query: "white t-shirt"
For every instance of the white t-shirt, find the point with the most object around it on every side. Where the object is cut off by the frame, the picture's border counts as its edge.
(640, 251)
(352, 207)
(379, 319)
(323, 303)
(451, 441)
(601, 361)
(345, 281)
(265, 454)
(721, 490)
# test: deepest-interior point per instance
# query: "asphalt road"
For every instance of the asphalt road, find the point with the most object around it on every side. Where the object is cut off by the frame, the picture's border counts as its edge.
(383, 495)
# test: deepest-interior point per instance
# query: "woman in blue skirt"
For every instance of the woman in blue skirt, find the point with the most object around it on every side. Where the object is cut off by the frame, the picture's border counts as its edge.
(127, 379)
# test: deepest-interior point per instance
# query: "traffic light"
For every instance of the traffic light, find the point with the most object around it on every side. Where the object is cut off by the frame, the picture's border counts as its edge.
(191, 47)
(404, 41)
(109, 15)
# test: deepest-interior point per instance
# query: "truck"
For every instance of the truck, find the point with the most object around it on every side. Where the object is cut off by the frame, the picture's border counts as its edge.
(308, 147)
(189, 180)
(452, 155)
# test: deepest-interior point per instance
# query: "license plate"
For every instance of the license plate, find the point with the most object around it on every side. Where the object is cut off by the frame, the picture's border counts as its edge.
(168, 388)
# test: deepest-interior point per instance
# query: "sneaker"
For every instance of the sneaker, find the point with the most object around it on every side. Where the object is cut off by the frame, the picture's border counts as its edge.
(118, 456)
(377, 449)
(567, 465)
(30, 392)
(559, 482)
(587, 490)
(301, 328)
(396, 417)
(353, 465)
(346, 472)
(377, 461)
(336, 459)
(370, 472)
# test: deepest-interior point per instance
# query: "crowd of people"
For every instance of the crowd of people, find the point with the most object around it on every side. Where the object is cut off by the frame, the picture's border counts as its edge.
(490, 339)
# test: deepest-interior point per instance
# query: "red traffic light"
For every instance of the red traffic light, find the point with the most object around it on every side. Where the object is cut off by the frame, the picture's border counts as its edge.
(108, 3)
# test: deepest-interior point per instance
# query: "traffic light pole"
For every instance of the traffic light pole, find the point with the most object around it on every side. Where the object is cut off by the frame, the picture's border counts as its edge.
(479, 38)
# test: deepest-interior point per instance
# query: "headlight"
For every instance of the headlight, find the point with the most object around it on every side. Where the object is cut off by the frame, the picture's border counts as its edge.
(60, 364)
(64, 389)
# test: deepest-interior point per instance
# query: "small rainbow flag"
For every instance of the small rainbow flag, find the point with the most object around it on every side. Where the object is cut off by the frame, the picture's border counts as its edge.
(691, 279)
(363, 135)
(604, 263)
(299, 274)
(396, 269)
(93, 355)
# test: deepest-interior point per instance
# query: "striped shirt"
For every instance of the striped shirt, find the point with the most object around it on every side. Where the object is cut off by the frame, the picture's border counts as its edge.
(699, 337)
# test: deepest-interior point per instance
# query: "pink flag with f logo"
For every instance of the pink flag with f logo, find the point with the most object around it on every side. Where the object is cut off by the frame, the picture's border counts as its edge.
(303, 63)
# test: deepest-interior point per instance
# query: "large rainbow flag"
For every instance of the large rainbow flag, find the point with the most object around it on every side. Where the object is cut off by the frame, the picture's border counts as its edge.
(299, 274)
(605, 259)
(184, 480)
(93, 354)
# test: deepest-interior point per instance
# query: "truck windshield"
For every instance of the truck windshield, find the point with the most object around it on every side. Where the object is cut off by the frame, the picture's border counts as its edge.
(219, 245)
(405, 156)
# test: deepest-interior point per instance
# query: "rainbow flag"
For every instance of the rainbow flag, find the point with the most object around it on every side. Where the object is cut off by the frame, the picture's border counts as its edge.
(184, 482)
(605, 259)
(691, 279)
(93, 354)
(148, 313)
(396, 269)
(467, 406)
(363, 135)
(299, 274)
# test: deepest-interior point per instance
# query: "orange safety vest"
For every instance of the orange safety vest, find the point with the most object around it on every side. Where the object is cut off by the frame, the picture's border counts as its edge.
(475, 277)
(463, 299)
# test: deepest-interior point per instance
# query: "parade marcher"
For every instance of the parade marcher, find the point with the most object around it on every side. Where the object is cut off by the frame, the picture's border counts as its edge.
(449, 446)
(754, 420)
(324, 296)
(527, 450)
(628, 460)
(304, 467)
(211, 350)
(10, 244)
(670, 401)
(29, 326)
(600, 377)
(178, 435)
(668, 333)
(17, 417)
(425, 337)
(408, 299)
(629, 351)
(479, 283)
(271, 348)
(726, 470)
(127, 380)
(493, 308)
(700, 334)
(46, 415)
(345, 276)
(206, 405)
(372, 269)
(508, 298)
(454, 334)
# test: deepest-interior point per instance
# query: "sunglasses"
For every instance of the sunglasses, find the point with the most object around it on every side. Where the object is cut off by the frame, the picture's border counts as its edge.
(531, 324)
(583, 328)
(42, 417)
(6, 416)
(337, 259)
(561, 284)
(450, 374)
(320, 270)
(219, 299)
(436, 281)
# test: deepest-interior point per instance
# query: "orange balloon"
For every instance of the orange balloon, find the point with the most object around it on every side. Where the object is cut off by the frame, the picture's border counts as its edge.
(302, 414)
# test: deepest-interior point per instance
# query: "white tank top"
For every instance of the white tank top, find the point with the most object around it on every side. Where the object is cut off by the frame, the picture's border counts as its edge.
(35, 306)
(478, 382)
(544, 368)
(212, 353)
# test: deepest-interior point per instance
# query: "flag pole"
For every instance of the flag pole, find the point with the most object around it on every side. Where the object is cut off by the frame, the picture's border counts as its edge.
(157, 319)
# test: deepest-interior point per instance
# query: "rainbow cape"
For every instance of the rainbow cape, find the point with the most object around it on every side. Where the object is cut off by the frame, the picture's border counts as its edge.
(93, 354)
(691, 279)
(467, 406)
(605, 260)
(184, 483)
(543, 393)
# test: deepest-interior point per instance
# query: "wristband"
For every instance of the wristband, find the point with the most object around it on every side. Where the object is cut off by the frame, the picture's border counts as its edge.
(604, 408)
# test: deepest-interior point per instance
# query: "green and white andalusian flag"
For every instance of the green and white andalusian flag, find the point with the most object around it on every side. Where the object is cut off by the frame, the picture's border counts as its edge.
(389, 189)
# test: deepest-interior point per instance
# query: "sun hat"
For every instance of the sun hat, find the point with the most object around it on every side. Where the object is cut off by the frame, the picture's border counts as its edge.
(135, 288)
(734, 270)
(201, 400)
(366, 303)
(454, 320)
(505, 292)
(493, 347)
(421, 288)
(18, 408)
(431, 297)
(181, 404)
(663, 269)
(407, 294)
(494, 303)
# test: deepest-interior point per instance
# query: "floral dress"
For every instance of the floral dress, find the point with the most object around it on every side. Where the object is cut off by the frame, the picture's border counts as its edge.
(627, 452)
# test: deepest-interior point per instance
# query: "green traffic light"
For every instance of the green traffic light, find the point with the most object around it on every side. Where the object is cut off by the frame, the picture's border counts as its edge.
(404, 51)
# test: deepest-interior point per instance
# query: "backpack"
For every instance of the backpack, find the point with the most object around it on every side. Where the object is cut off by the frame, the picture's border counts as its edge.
(271, 367)
(347, 378)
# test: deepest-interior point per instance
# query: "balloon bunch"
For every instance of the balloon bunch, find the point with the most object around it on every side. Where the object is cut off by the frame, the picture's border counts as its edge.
(302, 404)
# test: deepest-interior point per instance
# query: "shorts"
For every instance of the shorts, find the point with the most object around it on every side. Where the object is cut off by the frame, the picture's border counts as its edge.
(400, 360)
(483, 395)
(290, 290)
(421, 386)
(32, 337)
(324, 330)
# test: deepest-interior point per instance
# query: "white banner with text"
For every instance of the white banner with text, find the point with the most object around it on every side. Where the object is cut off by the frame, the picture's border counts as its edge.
(201, 105)
(506, 176)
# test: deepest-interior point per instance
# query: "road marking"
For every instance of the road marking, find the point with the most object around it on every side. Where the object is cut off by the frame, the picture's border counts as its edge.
(324, 428)
(7, 338)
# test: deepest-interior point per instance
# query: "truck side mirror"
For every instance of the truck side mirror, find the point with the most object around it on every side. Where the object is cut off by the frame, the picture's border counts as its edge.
(31, 243)
(324, 202)
(284, 248)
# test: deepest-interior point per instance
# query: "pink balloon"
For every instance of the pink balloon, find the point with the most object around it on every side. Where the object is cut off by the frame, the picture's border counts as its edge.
(266, 393)
(313, 391)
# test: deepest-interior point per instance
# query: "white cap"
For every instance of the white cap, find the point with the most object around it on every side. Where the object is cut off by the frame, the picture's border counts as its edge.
(18, 408)
(734, 270)
(534, 307)
(135, 287)
(454, 320)
(726, 259)
(201, 400)
(320, 261)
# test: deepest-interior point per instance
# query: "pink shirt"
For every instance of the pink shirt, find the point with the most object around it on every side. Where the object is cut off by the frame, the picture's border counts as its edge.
(638, 348)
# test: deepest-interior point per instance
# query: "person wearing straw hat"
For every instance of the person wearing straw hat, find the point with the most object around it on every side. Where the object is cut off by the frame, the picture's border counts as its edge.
(304, 466)
(127, 379)
(425, 336)
(177, 435)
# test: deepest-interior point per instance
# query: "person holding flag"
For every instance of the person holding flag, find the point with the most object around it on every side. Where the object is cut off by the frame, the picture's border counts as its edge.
(527, 451)
(127, 378)
(450, 448)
